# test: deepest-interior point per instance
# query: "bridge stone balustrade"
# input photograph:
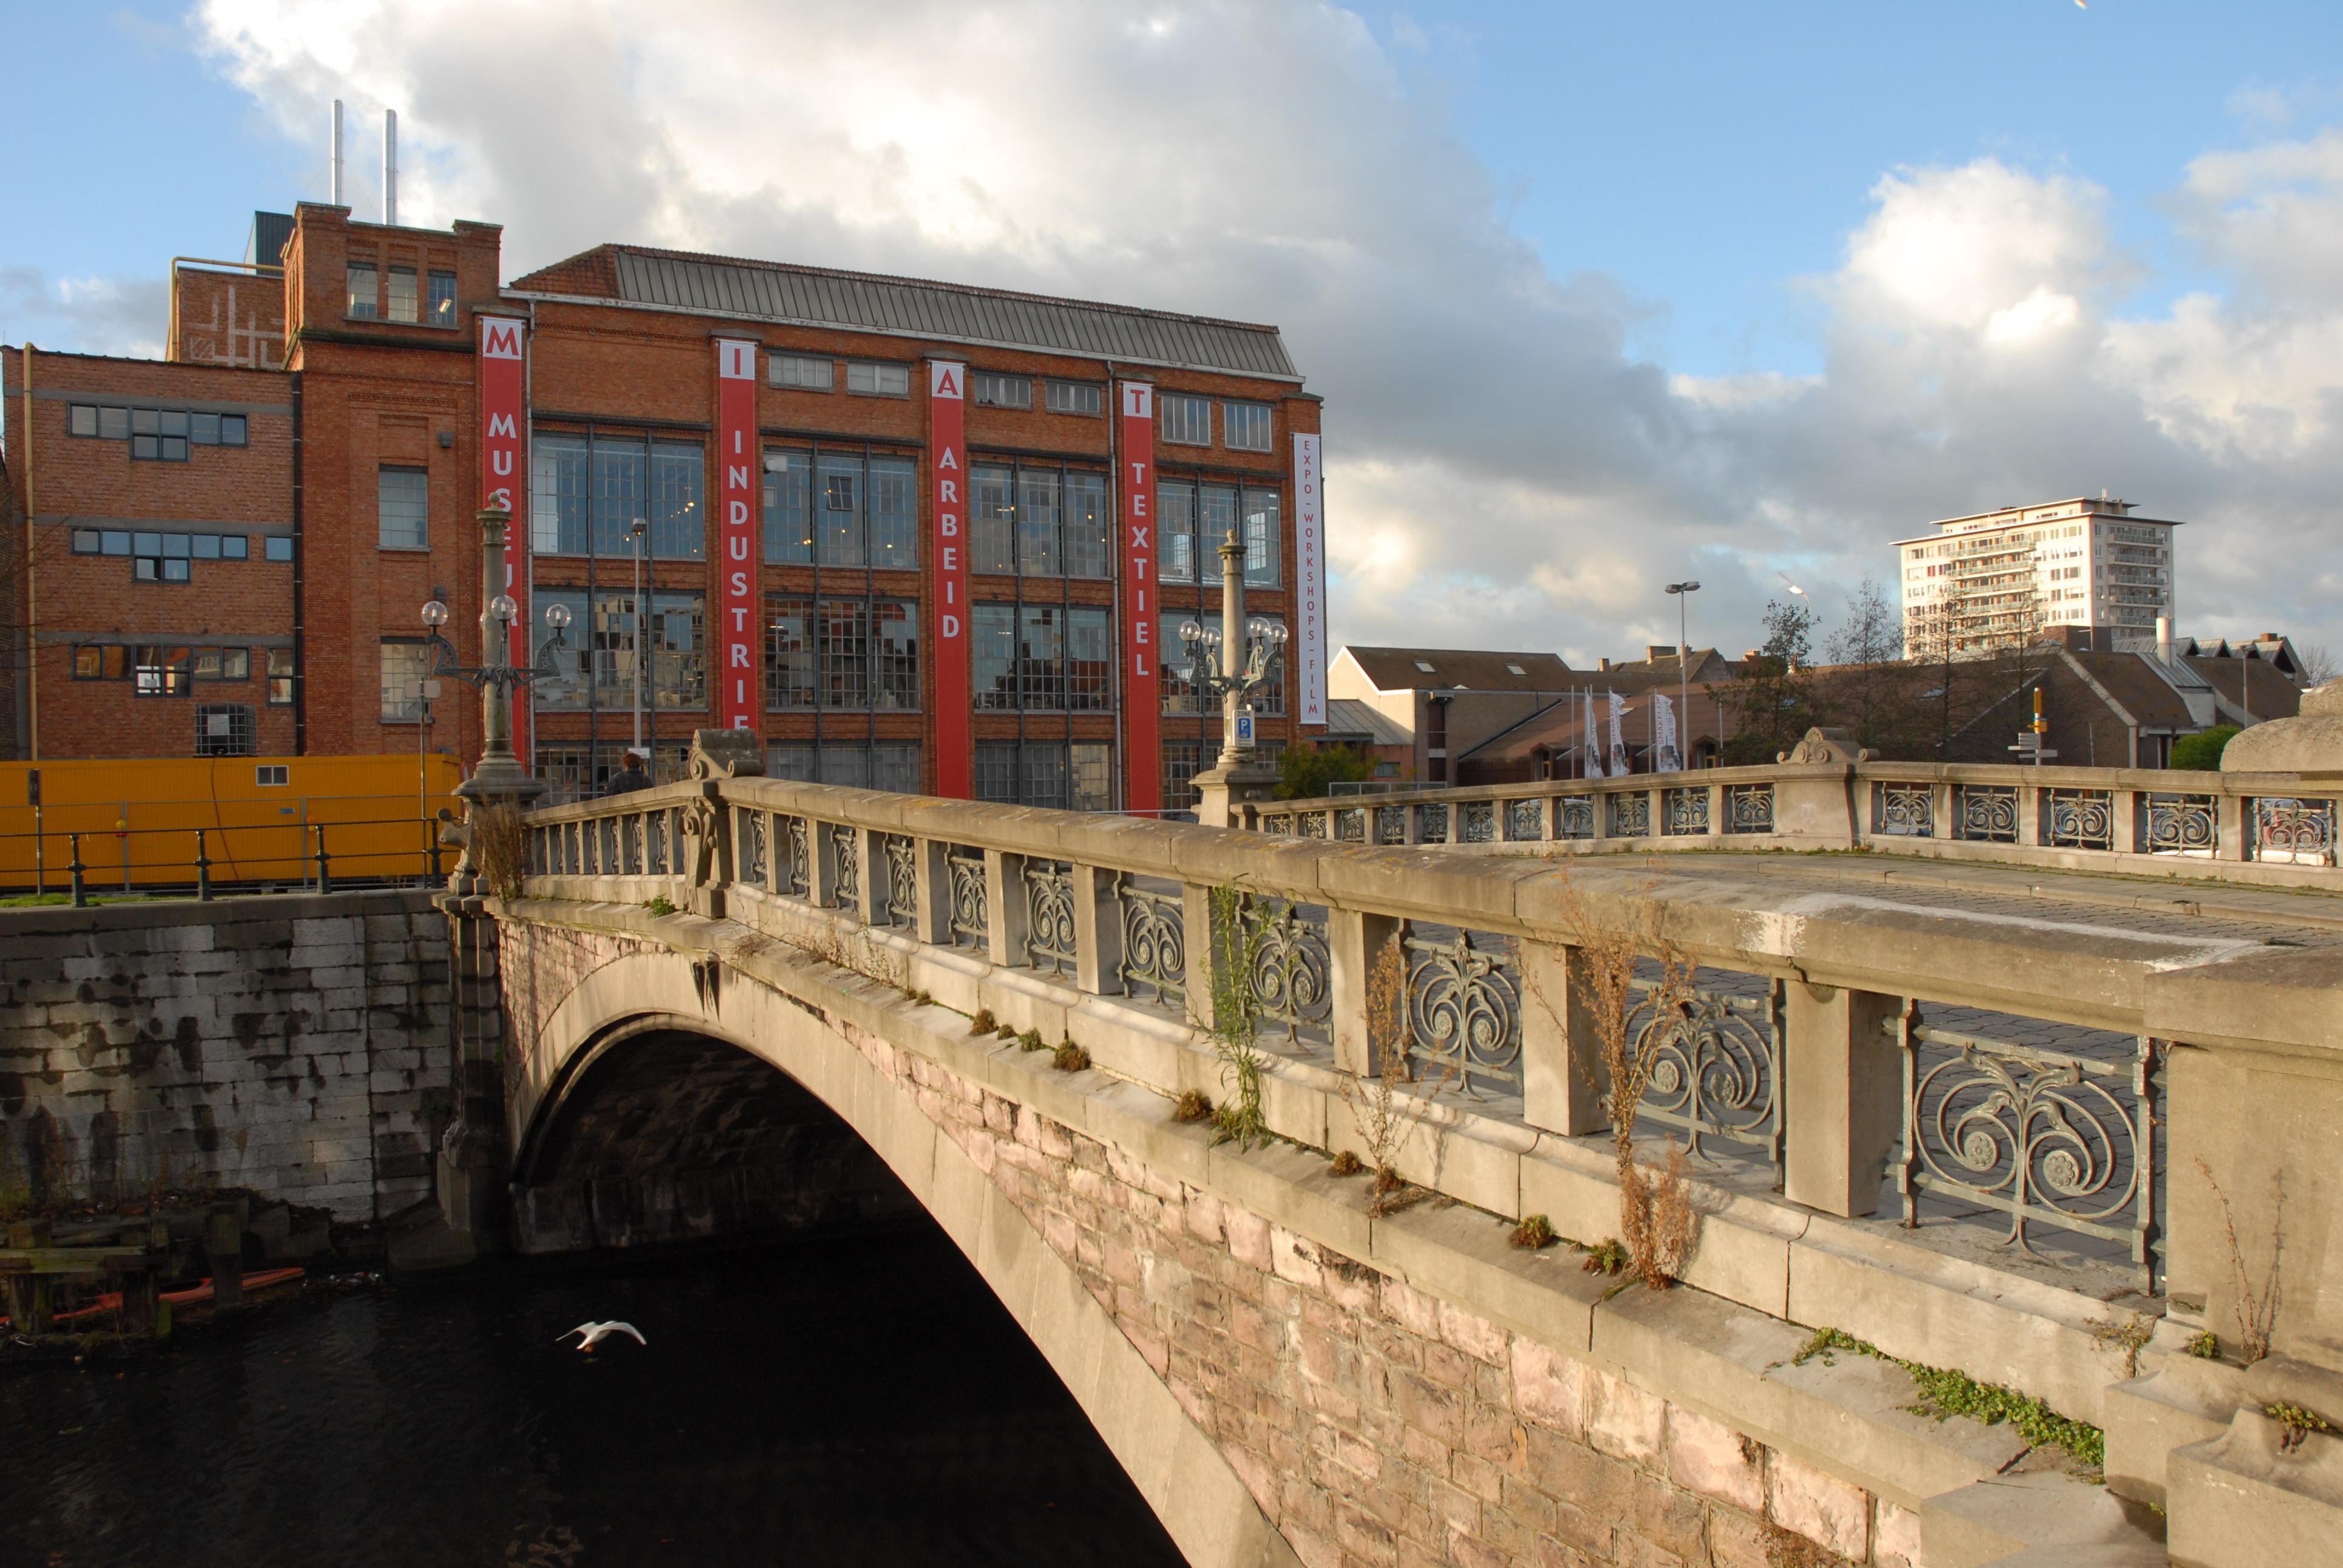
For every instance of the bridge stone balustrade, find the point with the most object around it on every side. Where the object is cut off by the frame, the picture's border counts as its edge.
(2245, 829)
(1285, 1374)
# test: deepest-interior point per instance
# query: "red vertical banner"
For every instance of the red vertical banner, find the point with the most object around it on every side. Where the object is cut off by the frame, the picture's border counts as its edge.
(1143, 702)
(737, 463)
(948, 505)
(504, 417)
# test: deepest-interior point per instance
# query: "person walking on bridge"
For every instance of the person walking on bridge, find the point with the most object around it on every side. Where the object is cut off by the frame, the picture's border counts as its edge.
(633, 776)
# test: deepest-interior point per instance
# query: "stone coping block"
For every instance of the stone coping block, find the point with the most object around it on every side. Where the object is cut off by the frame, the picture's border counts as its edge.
(148, 914)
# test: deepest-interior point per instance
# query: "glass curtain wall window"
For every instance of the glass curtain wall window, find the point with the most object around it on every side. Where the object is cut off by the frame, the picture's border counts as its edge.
(853, 512)
(1179, 697)
(1196, 520)
(1047, 658)
(1076, 776)
(598, 670)
(405, 665)
(892, 765)
(586, 495)
(1037, 521)
(867, 657)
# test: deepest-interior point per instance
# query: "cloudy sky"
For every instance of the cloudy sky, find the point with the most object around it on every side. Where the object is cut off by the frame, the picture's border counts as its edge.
(1600, 296)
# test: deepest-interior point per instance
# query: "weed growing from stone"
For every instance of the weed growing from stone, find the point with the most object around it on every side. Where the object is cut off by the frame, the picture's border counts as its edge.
(1004, 1032)
(2299, 1422)
(2257, 1309)
(2205, 1346)
(1195, 1105)
(2129, 1335)
(1070, 1058)
(1348, 1164)
(660, 904)
(1030, 1040)
(499, 841)
(1946, 1394)
(1535, 1231)
(983, 1023)
(1382, 1107)
(1604, 1257)
(922, 998)
(1235, 944)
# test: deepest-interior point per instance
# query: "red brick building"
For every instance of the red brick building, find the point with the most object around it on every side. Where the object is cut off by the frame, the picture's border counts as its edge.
(229, 557)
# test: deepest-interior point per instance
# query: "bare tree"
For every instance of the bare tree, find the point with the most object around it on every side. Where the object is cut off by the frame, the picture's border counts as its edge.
(2320, 666)
(1869, 688)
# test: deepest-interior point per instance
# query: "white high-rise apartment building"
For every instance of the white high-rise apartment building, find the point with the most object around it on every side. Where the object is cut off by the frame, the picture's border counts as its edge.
(1995, 578)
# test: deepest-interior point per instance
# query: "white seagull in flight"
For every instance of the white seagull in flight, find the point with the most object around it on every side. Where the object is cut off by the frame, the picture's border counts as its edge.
(596, 1333)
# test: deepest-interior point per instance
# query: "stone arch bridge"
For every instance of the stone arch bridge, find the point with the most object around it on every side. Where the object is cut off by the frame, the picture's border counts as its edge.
(740, 1001)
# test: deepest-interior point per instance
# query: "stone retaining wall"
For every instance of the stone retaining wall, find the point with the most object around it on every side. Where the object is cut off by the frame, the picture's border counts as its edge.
(296, 1046)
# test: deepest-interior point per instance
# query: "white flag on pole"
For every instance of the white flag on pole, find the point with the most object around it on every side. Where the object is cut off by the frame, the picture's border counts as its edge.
(1667, 755)
(1619, 766)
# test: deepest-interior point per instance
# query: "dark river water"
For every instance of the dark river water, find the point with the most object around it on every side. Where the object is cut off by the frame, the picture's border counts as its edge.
(833, 1402)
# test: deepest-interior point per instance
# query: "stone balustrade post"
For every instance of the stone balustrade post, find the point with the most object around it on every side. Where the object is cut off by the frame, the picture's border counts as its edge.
(1098, 931)
(1006, 909)
(932, 918)
(1355, 943)
(1561, 1053)
(2029, 814)
(870, 876)
(1196, 931)
(2233, 826)
(2130, 821)
(1940, 811)
(1842, 1097)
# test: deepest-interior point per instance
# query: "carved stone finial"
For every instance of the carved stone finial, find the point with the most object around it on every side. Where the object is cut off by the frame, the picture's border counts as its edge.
(1825, 745)
(727, 754)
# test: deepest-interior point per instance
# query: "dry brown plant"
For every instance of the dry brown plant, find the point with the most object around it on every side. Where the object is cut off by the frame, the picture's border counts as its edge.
(2257, 1309)
(500, 845)
(1657, 1221)
(1389, 1103)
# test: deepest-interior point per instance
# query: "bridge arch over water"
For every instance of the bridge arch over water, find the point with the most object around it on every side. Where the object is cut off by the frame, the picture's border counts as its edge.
(744, 1088)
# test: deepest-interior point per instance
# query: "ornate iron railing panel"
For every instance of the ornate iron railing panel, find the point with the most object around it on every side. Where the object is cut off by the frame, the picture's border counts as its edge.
(1291, 968)
(1351, 824)
(1748, 808)
(1573, 817)
(902, 857)
(1630, 816)
(1313, 824)
(630, 844)
(748, 842)
(1049, 921)
(1154, 944)
(1280, 823)
(1480, 823)
(2046, 1138)
(2181, 824)
(969, 902)
(1985, 813)
(2294, 830)
(1390, 824)
(1464, 1013)
(606, 850)
(1903, 810)
(846, 858)
(1523, 822)
(1718, 1072)
(658, 851)
(2079, 819)
(1685, 811)
(1432, 824)
(796, 863)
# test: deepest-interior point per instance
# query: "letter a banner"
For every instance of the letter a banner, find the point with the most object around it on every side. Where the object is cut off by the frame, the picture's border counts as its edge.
(1143, 766)
(947, 481)
(737, 458)
(504, 418)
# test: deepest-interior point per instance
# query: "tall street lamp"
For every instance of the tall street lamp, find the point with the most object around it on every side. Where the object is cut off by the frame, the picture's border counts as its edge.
(500, 776)
(1232, 663)
(1682, 593)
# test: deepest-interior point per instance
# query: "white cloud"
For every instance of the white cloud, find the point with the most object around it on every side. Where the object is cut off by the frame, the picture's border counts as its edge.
(83, 314)
(1500, 469)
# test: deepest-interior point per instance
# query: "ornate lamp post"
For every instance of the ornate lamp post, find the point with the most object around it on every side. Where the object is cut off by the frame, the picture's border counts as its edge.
(1232, 663)
(499, 778)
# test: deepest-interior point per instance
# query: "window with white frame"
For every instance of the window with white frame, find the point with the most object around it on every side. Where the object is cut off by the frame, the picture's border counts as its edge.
(803, 371)
(364, 303)
(405, 664)
(877, 379)
(1245, 426)
(1187, 421)
(1076, 398)
(995, 390)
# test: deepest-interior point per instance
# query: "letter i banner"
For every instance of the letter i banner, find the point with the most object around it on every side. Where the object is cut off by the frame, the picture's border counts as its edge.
(1142, 779)
(737, 462)
(503, 420)
(948, 508)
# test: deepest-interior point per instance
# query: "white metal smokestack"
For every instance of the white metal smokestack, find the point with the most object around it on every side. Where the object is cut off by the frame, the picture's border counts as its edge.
(336, 181)
(390, 166)
(2164, 637)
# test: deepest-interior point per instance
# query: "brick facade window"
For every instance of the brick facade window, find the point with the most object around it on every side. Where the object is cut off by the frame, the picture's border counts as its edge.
(443, 299)
(405, 299)
(161, 670)
(1036, 521)
(789, 653)
(1187, 421)
(1193, 519)
(364, 303)
(225, 730)
(850, 512)
(1182, 760)
(405, 664)
(1067, 776)
(280, 678)
(876, 378)
(586, 496)
(1245, 426)
(1076, 398)
(802, 372)
(993, 390)
(403, 508)
(892, 765)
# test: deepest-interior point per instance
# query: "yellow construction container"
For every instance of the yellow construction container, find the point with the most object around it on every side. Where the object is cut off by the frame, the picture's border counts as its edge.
(262, 818)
